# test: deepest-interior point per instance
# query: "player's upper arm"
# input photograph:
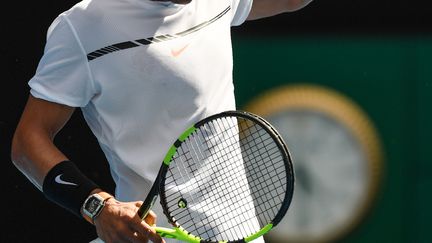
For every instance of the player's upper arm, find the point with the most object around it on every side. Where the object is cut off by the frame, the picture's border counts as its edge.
(42, 115)
(267, 8)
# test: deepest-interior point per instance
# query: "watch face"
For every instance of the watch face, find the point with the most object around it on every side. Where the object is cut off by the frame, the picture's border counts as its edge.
(93, 204)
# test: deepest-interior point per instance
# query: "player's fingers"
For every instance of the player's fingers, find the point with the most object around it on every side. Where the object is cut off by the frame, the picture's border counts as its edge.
(145, 238)
(136, 237)
(151, 218)
(138, 203)
(143, 229)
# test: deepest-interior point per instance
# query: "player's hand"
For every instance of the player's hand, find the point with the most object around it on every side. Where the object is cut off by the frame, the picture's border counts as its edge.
(119, 222)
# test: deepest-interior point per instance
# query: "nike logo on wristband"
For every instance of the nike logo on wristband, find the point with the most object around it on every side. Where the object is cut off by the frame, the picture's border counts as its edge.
(59, 180)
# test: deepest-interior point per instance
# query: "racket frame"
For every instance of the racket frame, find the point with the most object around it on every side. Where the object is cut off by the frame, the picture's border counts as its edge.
(158, 186)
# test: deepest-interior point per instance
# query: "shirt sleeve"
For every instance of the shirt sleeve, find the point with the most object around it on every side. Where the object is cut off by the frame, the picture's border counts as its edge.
(241, 10)
(63, 75)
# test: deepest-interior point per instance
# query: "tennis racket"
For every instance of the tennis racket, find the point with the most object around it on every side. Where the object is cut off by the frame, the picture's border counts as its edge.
(228, 178)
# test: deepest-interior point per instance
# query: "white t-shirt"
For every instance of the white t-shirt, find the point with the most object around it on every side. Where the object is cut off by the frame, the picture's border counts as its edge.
(142, 72)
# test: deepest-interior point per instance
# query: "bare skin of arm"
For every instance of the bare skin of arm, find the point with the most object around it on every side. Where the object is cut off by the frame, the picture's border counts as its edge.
(266, 8)
(34, 154)
(33, 150)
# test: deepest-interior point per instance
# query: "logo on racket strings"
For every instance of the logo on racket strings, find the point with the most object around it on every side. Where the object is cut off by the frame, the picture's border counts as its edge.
(182, 203)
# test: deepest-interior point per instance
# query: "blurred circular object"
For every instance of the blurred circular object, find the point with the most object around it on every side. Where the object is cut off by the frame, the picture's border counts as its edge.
(337, 160)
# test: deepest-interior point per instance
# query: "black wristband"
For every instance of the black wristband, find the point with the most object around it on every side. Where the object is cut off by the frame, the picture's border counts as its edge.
(67, 186)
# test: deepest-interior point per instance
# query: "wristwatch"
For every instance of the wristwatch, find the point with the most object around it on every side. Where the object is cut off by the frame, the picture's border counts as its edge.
(94, 204)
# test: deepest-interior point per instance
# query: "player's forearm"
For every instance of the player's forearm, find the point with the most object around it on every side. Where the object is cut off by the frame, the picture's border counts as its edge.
(33, 150)
(267, 8)
(34, 153)
(294, 5)
(36, 156)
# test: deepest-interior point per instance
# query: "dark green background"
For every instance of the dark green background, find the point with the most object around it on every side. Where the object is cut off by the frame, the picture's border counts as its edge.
(391, 79)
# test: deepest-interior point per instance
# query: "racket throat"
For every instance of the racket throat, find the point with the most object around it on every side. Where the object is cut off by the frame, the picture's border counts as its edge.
(177, 233)
(260, 233)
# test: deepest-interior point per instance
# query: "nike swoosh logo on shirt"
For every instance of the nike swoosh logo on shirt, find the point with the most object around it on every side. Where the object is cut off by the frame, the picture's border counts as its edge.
(59, 180)
(176, 53)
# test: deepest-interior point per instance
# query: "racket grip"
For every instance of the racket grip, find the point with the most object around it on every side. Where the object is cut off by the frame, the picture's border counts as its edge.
(152, 195)
(150, 199)
(145, 207)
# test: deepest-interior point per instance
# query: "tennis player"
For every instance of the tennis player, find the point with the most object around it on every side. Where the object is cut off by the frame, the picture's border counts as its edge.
(141, 71)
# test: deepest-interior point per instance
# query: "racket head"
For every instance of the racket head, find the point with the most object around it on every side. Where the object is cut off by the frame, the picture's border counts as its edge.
(231, 170)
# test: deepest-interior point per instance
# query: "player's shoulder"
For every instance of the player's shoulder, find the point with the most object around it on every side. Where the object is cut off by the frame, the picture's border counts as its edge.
(82, 14)
(87, 9)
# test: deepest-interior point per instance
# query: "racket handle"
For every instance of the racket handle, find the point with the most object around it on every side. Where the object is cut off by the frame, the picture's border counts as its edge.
(145, 207)
(153, 194)
(150, 199)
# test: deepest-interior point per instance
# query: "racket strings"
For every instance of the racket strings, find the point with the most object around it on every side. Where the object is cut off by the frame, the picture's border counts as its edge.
(231, 173)
(255, 140)
(263, 158)
(217, 190)
(233, 192)
(238, 220)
